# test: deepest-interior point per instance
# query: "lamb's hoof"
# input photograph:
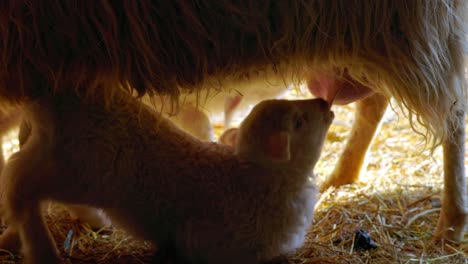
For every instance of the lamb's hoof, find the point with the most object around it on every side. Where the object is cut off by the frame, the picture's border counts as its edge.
(451, 227)
(335, 180)
(95, 218)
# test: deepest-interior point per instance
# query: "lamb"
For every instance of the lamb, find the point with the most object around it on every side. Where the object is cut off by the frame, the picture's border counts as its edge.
(214, 204)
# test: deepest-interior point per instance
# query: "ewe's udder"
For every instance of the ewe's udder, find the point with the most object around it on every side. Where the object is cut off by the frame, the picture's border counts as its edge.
(338, 89)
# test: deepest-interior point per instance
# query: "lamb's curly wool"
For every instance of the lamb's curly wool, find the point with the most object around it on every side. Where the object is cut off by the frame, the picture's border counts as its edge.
(411, 50)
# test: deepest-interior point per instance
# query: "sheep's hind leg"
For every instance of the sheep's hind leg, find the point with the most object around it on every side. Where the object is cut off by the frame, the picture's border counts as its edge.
(369, 113)
(454, 211)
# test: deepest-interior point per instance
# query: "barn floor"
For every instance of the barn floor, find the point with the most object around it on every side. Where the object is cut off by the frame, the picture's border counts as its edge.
(396, 202)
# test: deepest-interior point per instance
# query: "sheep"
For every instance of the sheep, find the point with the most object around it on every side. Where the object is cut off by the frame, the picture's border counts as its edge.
(412, 51)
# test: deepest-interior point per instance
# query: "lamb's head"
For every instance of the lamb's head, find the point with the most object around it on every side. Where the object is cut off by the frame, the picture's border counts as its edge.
(285, 131)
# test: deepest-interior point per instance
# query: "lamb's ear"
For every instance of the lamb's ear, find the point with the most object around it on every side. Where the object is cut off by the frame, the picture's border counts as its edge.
(229, 137)
(277, 146)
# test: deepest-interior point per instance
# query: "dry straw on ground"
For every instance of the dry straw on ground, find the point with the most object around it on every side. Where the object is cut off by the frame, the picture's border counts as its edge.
(396, 202)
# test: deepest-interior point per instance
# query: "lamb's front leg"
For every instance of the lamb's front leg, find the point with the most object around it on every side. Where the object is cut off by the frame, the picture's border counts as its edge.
(25, 177)
(369, 112)
(10, 240)
(38, 245)
(35, 240)
(454, 212)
